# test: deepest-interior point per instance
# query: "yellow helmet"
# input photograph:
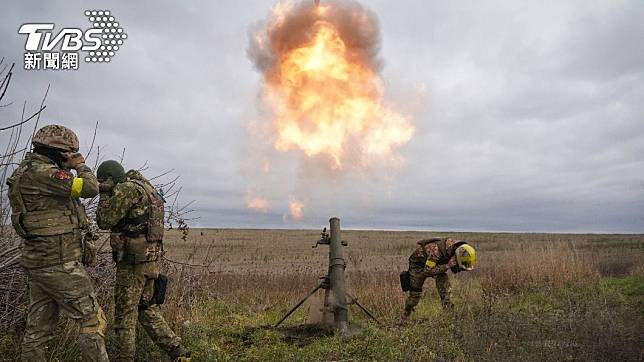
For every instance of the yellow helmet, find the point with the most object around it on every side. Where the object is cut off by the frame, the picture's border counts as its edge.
(466, 257)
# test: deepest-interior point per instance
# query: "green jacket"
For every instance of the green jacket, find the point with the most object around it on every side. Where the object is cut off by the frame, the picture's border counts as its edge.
(134, 212)
(46, 210)
(127, 200)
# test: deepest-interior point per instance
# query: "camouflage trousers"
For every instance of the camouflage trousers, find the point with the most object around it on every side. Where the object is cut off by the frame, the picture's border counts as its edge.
(65, 289)
(135, 282)
(417, 277)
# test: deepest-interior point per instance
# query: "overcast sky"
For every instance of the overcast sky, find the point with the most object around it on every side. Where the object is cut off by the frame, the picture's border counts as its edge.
(529, 115)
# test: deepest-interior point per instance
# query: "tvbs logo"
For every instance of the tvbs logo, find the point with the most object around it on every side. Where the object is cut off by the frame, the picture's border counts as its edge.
(46, 49)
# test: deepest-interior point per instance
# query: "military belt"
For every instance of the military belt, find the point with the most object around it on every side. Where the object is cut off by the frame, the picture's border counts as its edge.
(133, 221)
(132, 234)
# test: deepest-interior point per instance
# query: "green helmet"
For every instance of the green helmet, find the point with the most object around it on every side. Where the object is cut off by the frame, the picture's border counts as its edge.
(111, 169)
(56, 136)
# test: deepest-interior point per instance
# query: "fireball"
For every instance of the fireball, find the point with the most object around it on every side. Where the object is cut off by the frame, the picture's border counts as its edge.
(295, 210)
(257, 203)
(322, 85)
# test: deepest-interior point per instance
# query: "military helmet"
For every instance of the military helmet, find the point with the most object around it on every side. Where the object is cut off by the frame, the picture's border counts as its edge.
(56, 136)
(111, 168)
(466, 257)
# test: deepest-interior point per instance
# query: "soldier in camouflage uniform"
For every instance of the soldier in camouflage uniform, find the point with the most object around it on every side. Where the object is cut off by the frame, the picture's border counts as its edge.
(432, 259)
(132, 209)
(48, 215)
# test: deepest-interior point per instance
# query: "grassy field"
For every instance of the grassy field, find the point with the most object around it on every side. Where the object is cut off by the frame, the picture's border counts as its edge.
(532, 297)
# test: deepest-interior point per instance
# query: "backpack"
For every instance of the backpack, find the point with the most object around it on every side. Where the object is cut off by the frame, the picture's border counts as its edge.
(156, 212)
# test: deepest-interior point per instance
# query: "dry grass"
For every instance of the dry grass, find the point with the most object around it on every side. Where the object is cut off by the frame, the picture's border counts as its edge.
(268, 262)
(531, 295)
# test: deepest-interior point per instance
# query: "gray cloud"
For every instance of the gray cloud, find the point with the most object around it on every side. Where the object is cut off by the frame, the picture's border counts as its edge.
(528, 114)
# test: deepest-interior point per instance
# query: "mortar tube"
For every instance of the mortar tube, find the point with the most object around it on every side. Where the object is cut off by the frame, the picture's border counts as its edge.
(336, 276)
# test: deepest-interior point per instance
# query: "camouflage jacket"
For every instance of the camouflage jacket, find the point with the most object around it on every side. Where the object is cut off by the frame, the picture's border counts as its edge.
(431, 258)
(126, 201)
(45, 205)
(45, 186)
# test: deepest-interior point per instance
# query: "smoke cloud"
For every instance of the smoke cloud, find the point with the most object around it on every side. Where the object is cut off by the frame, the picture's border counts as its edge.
(322, 99)
(293, 25)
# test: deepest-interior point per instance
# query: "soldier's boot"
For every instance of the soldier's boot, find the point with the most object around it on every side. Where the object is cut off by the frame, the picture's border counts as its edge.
(412, 301)
(407, 313)
(180, 354)
(161, 334)
(447, 304)
(92, 338)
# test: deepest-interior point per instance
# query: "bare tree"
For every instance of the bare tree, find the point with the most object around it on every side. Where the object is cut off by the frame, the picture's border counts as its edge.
(18, 134)
(12, 280)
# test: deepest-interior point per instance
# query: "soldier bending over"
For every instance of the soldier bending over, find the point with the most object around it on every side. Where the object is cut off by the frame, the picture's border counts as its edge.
(133, 210)
(432, 259)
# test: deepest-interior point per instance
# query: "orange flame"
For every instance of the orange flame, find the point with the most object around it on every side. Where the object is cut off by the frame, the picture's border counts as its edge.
(257, 203)
(326, 100)
(295, 210)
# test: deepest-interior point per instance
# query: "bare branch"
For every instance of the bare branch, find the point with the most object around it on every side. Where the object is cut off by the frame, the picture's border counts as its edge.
(91, 147)
(14, 152)
(161, 175)
(6, 81)
(144, 166)
(42, 104)
(24, 121)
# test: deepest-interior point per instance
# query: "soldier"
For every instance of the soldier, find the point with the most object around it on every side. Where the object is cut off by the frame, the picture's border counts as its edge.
(47, 214)
(133, 210)
(433, 258)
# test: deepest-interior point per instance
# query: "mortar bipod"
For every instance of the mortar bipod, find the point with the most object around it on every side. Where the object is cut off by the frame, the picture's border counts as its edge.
(323, 285)
(354, 300)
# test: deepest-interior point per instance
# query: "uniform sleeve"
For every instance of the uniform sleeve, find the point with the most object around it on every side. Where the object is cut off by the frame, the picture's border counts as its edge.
(62, 183)
(113, 208)
(449, 245)
(86, 184)
(432, 268)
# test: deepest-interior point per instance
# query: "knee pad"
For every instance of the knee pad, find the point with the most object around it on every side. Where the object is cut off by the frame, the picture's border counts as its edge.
(95, 324)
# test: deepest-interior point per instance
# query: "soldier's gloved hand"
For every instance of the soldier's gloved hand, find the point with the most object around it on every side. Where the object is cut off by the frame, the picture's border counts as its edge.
(74, 160)
(452, 262)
